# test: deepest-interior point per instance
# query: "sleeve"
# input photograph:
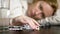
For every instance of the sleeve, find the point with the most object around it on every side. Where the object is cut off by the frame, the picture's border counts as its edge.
(17, 8)
(53, 20)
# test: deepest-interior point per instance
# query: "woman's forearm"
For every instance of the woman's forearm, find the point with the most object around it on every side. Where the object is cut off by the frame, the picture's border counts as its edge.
(53, 20)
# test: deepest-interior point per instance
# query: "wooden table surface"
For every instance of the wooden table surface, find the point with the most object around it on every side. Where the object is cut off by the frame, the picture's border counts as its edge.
(52, 30)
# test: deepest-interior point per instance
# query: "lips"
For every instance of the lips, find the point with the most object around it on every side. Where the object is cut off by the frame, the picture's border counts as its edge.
(38, 16)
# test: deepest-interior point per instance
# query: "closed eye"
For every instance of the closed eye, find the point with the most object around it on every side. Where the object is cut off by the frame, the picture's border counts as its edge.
(40, 7)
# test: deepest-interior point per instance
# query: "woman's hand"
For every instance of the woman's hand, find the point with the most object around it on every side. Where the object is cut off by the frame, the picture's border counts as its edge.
(21, 20)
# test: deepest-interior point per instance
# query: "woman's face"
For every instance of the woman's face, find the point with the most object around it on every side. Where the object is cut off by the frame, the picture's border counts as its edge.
(41, 9)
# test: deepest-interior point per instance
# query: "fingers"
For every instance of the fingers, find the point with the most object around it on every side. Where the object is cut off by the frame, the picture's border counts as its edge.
(36, 25)
(24, 20)
(32, 24)
(35, 22)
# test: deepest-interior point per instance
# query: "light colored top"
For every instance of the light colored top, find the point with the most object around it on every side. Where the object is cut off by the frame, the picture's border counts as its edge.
(17, 8)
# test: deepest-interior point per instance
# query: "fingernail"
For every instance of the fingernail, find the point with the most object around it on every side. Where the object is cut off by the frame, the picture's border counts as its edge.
(37, 28)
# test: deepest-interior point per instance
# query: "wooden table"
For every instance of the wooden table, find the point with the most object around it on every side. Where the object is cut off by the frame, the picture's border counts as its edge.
(52, 30)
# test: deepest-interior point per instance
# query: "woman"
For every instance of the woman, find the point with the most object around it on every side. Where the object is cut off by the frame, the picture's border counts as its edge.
(55, 18)
(46, 19)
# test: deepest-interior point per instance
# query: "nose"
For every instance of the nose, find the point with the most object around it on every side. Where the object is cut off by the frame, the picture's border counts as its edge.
(38, 12)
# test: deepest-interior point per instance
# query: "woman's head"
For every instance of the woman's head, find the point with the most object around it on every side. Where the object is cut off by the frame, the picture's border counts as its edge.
(41, 9)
